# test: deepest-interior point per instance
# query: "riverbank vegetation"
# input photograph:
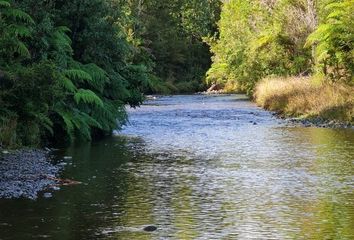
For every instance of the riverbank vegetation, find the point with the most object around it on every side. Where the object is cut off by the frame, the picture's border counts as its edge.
(281, 39)
(306, 97)
(68, 68)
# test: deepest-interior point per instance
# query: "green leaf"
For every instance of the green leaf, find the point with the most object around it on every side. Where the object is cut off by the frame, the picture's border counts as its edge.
(87, 96)
(78, 75)
(20, 30)
(67, 84)
(5, 4)
(18, 14)
(22, 49)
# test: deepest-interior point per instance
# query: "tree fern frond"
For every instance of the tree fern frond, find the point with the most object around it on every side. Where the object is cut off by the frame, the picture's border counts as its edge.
(19, 30)
(322, 51)
(87, 96)
(60, 39)
(78, 75)
(98, 75)
(18, 14)
(67, 84)
(111, 116)
(90, 121)
(76, 121)
(63, 29)
(83, 123)
(4, 4)
(22, 49)
(68, 123)
(322, 33)
(45, 122)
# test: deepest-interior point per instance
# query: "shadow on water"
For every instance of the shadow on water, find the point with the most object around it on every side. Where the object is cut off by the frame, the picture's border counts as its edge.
(197, 168)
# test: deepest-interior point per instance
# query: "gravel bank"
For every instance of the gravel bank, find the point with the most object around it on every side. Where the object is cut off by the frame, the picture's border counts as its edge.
(24, 173)
(315, 122)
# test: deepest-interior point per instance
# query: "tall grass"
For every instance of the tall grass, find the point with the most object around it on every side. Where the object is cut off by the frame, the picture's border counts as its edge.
(306, 97)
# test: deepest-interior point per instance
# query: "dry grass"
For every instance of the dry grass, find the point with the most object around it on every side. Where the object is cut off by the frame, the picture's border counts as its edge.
(303, 97)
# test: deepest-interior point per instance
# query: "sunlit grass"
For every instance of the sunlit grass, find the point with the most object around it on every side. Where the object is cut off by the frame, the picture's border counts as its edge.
(306, 97)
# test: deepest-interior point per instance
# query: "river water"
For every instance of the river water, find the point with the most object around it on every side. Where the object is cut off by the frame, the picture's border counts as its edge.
(199, 167)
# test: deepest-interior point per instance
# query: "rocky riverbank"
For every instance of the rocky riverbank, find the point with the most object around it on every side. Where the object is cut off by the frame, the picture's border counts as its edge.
(315, 122)
(26, 173)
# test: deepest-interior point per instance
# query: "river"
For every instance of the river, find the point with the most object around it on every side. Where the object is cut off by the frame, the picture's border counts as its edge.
(198, 167)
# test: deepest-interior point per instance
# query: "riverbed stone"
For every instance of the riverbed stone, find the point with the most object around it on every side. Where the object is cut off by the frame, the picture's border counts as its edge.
(47, 195)
(24, 173)
(150, 228)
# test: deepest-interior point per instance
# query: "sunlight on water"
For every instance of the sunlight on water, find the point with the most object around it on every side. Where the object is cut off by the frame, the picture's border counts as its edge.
(200, 167)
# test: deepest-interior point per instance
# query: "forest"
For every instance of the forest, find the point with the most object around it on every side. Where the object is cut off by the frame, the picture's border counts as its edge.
(68, 69)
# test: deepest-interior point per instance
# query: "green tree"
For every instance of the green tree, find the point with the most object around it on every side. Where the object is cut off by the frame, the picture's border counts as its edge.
(334, 39)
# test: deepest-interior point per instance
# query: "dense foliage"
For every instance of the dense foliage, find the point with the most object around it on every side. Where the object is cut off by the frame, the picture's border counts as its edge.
(68, 68)
(282, 38)
(65, 71)
(170, 35)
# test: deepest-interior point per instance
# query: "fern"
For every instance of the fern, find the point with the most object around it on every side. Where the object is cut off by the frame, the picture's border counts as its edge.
(5, 4)
(18, 14)
(76, 121)
(83, 123)
(60, 40)
(68, 122)
(87, 96)
(78, 75)
(44, 121)
(111, 116)
(19, 30)
(98, 76)
(67, 84)
(334, 38)
(13, 27)
(22, 49)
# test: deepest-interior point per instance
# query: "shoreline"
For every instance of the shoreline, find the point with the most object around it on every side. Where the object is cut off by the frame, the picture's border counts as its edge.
(27, 173)
(314, 122)
(32, 173)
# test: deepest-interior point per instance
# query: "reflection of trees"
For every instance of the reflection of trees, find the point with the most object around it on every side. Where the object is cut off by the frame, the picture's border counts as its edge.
(81, 211)
(176, 195)
(330, 214)
(183, 214)
(296, 185)
(328, 219)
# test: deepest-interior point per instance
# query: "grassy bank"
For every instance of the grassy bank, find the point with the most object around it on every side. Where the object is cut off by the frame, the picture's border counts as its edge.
(306, 97)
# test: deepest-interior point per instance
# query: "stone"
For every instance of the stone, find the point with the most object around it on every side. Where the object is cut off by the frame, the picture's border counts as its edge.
(150, 228)
(47, 195)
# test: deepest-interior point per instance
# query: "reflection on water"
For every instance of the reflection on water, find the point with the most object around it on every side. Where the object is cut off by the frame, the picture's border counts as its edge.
(199, 168)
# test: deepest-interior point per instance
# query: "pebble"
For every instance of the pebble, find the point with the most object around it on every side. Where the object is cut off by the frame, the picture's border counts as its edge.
(55, 188)
(318, 123)
(24, 173)
(47, 195)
